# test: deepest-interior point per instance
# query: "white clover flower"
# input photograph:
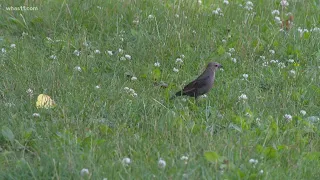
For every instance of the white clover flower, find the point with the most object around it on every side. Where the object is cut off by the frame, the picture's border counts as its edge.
(24, 34)
(234, 60)
(224, 41)
(262, 57)
(277, 19)
(134, 94)
(3, 50)
(86, 44)
(249, 6)
(36, 115)
(218, 11)
(274, 61)
(284, 3)
(281, 65)
(194, 32)
(99, 7)
(29, 91)
(290, 60)
(134, 78)
(182, 56)
(76, 52)
(203, 96)
(175, 70)
(261, 171)
(179, 60)
(199, 2)
(127, 56)
(122, 58)
(225, 2)
(131, 91)
(151, 16)
(231, 50)
(253, 161)
(265, 64)
(316, 29)
(162, 163)
(184, 158)
(110, 53)
(271, 51)
(97, 51)
(288, 117)
(49, 39)
(228, 54)
(275, 12)
(97, 87)
(292, 72)
(13, 46)
(77, 68)
(157, 64)
(120, 50)
(126, 161)
(53, 57)
(243, 97)
(184, 99)
(303, 112)
(84, 172)
(176, 15)
(245, 76)
(126, 88)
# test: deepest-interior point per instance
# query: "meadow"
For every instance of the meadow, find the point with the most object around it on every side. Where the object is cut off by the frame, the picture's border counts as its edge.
(111, 67)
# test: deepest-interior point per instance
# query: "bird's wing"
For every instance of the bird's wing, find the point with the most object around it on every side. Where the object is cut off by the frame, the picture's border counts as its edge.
(196, 84)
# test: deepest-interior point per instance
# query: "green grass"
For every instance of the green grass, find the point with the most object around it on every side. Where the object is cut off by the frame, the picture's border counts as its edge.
(96, 128)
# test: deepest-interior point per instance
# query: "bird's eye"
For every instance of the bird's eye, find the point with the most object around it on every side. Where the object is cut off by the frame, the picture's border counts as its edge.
(216, 65)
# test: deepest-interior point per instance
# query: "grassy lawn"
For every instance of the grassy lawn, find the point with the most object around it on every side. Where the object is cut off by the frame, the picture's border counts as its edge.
(111, 67)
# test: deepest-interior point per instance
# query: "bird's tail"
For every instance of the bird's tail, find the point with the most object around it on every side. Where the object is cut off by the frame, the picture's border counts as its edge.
(176, 95)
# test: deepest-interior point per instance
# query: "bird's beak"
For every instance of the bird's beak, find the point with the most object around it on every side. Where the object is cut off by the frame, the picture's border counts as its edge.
(220, 66)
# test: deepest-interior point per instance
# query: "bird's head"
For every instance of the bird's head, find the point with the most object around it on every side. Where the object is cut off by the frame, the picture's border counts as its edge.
(214, 65)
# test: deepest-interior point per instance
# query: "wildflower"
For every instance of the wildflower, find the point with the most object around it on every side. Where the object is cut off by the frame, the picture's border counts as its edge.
(131, 91)
(271, 51)
(162, 163)
(157, 64)
(225, 2)
(3, 50)
(288, 117)
(97, 87)
(85, 44)
(274, 61)
(84, 172)
(76, 52)
(13, 46)
(175, 70)
(224, 41)
(284, 3)
(243, 97)
(53, 57)
(228, 54)
(97, 51)
(253, 161)
(265, 64)
(99, 7)
(29, 92)
(134, 78)
(203, 96)
(184, 158)
(182, 56)
(234, 60)
(245, 76)
(281, 65)
(120, 50)
(49, 39)
(179, 60)
(249, 5)
(110, 53)
(278, 19)
(275, 12)
(316, 29)
(261, 171)
(134, 94)
(231, 50)
(36, 115)
(151, 16)
(176, 15)
(24, 34)
(199, 2)
(127, 56)
(122, 58)
(126, 161)
(262, 57)
(77, 68)
(303, 112)
(218, 11)
(290, 60)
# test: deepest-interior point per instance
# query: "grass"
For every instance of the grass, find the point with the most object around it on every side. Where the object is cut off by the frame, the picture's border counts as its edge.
(96, 128)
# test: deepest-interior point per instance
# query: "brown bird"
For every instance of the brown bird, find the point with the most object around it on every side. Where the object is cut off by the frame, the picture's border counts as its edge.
(202, 84)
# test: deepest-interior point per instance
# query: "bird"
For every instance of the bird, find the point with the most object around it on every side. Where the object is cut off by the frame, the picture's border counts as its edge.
(202, 84)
